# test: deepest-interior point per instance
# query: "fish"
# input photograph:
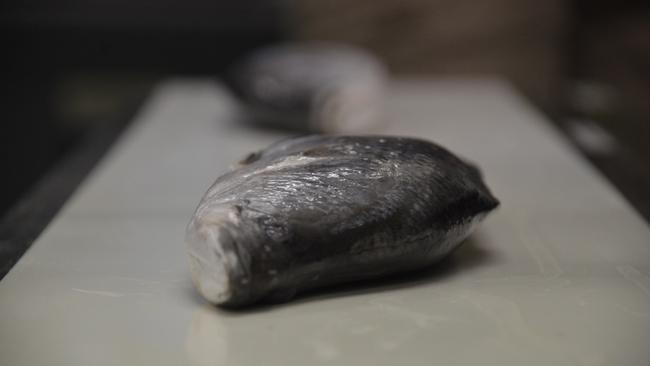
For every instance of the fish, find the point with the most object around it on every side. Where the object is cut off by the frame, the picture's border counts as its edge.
(314, 87)
(320, 210)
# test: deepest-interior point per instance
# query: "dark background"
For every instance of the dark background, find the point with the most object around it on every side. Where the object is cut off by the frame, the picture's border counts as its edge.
(72, 68)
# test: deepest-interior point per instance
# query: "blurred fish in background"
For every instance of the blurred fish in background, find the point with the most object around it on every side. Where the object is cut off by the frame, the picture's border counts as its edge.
(312, 87)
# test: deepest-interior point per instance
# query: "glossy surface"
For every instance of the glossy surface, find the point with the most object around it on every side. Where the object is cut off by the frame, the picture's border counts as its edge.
(559, 275)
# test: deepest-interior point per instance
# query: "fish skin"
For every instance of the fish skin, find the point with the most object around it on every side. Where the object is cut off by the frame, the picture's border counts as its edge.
(319, 210)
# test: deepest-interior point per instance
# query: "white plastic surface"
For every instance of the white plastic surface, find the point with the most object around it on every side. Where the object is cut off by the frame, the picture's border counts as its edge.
(560, 275)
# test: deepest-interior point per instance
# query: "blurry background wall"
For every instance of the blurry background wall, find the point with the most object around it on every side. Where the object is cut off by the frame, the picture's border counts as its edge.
(523, 40)
(610, 49)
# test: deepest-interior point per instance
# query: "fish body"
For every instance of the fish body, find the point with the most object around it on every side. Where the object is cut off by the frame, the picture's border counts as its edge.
(312, 87)
(319, 210)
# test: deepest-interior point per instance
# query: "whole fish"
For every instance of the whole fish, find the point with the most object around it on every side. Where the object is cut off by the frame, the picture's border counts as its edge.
(319, 210)
(311, 87)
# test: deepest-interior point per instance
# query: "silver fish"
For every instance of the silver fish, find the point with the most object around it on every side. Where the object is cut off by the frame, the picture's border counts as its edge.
(319, 210)
(312, 87)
